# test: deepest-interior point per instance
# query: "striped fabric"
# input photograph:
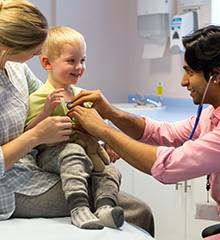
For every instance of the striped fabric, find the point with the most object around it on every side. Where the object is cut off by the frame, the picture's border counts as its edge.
(16, 83)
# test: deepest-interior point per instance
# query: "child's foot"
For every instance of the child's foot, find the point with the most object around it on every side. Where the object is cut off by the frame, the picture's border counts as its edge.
(112, 217)
(82, 217)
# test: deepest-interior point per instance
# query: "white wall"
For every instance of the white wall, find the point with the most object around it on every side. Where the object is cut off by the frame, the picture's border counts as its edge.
(146, 73)
(45, 7)
(104, 25)
(114, 62)
(215, 6)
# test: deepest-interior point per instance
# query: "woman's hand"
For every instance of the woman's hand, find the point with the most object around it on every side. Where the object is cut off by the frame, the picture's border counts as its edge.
(90, 120)
(100, 103)
(50, 130)
(53, 129)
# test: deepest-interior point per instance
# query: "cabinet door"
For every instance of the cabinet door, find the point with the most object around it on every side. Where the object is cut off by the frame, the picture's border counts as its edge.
(168, 203)
(196, 194)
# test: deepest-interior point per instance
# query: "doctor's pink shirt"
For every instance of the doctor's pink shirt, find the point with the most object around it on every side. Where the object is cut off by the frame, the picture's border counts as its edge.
(180, 159)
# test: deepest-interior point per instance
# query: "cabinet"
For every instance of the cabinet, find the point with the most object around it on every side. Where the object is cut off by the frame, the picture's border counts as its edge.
(145, 7)
(173, 205)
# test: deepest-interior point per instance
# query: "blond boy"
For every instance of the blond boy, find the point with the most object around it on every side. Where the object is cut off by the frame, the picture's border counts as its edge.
(63, 57)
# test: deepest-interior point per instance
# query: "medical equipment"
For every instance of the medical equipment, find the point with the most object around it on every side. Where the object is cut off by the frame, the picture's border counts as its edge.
(153, 25)
(200, 107)
(182, 25)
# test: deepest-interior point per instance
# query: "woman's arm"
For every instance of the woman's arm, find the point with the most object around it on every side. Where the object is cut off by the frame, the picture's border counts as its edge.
(50, 130)
(40, 117)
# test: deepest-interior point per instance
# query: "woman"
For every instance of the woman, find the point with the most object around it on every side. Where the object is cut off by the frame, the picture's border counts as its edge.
(166, 150)
(26, 190)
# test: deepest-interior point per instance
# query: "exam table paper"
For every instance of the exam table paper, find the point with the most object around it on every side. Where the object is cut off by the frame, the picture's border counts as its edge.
(62, 229)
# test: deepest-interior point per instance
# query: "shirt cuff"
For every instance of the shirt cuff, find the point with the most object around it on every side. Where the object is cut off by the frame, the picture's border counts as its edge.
(159, 170)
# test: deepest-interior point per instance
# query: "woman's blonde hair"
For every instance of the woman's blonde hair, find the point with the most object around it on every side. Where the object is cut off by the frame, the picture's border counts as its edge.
(22, 26)
(57, 37)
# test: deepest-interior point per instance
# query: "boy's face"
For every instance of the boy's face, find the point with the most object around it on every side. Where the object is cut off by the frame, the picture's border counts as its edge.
(69, 66)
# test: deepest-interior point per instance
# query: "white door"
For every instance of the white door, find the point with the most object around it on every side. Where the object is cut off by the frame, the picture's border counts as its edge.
(168, 203)
(197, 194)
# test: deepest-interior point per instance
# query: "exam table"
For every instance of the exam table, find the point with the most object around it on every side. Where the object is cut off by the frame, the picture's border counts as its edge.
(62, 229)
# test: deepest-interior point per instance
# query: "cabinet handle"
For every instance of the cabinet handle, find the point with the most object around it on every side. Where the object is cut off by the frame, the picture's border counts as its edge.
(178, 184)
(186, 186)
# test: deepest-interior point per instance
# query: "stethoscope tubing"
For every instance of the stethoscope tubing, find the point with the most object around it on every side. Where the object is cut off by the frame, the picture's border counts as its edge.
(200, 108)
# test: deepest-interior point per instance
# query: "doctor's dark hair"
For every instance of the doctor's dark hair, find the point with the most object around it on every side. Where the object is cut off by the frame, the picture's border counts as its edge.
(22, 26)
(202, 50)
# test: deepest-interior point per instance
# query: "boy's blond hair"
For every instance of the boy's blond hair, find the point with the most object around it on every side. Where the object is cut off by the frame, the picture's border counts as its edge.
(58, 37)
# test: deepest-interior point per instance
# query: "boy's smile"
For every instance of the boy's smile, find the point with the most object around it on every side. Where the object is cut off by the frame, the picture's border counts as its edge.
(69, 67)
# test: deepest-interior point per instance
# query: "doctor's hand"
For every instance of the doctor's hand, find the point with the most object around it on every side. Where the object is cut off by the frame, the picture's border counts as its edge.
(90, 120)
(52, 129)
(100, 103)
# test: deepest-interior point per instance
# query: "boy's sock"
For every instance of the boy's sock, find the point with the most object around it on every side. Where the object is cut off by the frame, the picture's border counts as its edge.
(82, 217)
(109, 216)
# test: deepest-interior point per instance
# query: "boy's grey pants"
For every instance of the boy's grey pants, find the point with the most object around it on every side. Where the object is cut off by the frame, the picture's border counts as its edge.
(75, 167)
(52, 203)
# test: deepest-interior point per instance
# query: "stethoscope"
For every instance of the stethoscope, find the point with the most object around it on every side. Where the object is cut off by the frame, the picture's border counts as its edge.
(199, 111)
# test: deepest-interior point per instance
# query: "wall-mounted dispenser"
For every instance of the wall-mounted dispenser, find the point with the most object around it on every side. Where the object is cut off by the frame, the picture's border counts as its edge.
(182, 25)
(154, 25)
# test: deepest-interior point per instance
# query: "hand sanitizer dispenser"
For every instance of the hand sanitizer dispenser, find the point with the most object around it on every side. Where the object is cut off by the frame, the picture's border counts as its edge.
(182, 25)
(153, 26)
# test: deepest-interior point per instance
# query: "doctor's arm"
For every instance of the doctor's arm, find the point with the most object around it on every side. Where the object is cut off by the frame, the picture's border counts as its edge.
(130, 124)
(137, 154)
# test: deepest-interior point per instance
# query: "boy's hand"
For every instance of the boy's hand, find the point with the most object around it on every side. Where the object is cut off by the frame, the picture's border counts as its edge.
(53, 100)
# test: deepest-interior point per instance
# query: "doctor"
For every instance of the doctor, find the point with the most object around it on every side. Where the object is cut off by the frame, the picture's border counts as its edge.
(164, 150)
